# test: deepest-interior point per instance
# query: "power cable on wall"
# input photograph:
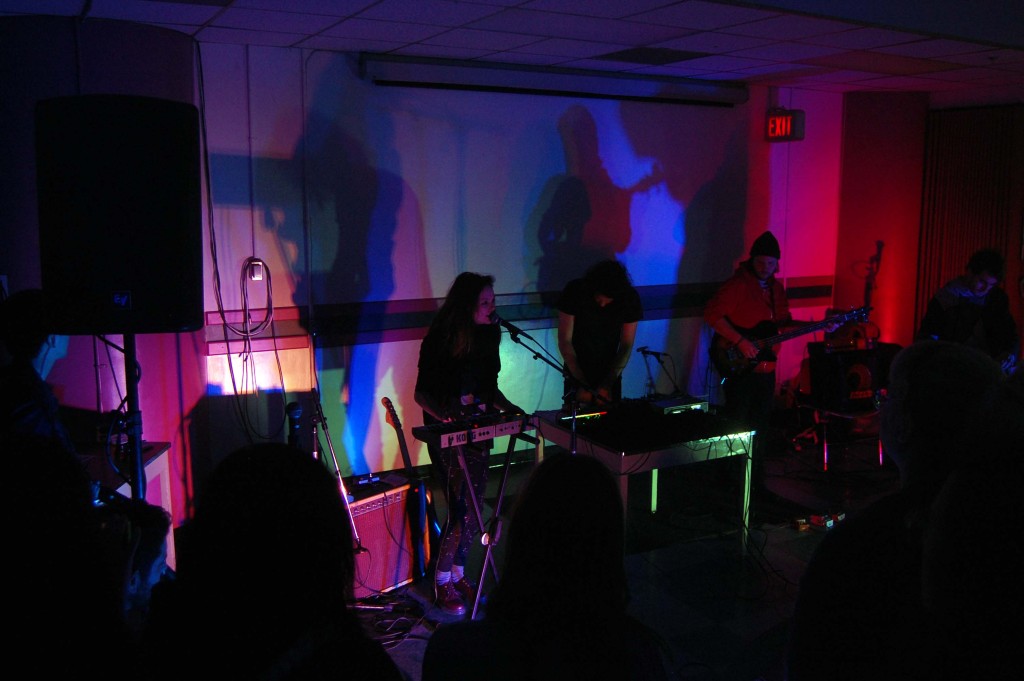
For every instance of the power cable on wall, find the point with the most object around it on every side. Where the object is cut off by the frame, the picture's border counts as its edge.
(253, 270)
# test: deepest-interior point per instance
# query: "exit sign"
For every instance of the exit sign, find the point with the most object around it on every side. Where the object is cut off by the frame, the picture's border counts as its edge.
(784, 125)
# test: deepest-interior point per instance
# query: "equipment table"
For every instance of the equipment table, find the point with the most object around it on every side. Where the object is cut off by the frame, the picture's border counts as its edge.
(624, 461)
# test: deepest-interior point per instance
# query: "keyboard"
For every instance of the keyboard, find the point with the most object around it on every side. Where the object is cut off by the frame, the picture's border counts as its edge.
(476, 429)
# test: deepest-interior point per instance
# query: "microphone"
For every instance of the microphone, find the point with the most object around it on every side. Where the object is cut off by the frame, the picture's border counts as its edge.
(512, 329)
(878, 255)
(642, 350)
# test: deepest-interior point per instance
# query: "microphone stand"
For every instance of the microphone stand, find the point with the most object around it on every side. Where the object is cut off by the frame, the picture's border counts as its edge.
(650, 381)
(650, 378)
(514, 334)
(319, 420)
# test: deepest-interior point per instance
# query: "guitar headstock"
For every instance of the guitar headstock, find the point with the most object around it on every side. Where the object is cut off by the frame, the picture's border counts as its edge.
(392, 415)
(858, 315)
(861, 313)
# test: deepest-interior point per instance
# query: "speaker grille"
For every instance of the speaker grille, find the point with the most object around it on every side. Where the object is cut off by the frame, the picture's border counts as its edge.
(120, 221)
(382, 522)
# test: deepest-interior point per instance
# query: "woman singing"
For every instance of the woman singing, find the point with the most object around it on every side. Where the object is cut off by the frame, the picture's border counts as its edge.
(458, 378)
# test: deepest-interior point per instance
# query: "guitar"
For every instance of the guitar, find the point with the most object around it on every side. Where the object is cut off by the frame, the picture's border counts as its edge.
(417, 506)
(730, 362)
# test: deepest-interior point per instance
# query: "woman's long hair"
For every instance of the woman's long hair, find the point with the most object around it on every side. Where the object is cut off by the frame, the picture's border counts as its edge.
(454, 321)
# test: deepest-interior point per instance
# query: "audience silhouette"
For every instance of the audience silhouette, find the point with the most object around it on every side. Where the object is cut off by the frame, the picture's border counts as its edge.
(65, 599)
(265, 572)
(559, 609)
(972, 562)
(859, 612)
(143, 528)
(27, 402)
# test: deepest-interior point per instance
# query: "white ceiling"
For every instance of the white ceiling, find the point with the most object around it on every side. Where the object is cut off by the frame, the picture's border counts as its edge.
(947, 46)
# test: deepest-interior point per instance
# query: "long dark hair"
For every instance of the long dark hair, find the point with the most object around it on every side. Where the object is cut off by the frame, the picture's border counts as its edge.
(454, 321)
(609, 278)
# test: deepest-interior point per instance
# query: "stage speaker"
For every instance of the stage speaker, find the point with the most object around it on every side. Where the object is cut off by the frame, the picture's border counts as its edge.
(382, 521)
(120, 225)
(844, 380)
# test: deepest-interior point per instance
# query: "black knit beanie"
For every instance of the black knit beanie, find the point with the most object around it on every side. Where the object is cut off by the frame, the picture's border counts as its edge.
(766, 244)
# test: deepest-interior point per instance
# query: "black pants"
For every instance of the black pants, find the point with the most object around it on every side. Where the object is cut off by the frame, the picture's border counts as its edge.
(749, 400)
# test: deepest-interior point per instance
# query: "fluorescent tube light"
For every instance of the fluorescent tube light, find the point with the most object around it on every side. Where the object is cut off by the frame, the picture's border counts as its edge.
(393, 70)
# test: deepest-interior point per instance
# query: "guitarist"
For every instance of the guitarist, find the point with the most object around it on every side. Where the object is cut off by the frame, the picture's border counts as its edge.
(750, 305)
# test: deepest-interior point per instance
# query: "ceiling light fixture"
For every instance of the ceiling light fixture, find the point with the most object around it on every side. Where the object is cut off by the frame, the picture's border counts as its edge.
(453, 74)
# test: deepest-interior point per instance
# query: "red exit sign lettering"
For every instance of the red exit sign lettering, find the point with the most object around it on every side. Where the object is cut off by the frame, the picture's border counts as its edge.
(784, 125)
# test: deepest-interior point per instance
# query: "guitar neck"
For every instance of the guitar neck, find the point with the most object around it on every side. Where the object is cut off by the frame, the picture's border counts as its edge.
(809, 328)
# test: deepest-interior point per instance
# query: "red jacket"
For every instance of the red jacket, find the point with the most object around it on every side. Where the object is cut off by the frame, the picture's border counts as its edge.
(745, 304)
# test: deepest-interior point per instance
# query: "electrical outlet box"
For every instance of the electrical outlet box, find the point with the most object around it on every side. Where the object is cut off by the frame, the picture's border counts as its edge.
(256, 271)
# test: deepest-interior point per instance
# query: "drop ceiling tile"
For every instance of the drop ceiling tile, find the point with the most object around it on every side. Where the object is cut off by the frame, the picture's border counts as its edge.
(862, 38)
(713, 42)
(906, 83)
(472, 38)
(577, 49)
(421, 50)
(789, 27)
(877, 62)
(602, 65)
(234, 36)
(792, 70)
(930, 48)
(281, 22)
(680, 70)
(335, 8)
(999, 58)
(525, 58)
(347, 44)
(436, 12)
(977, 75)
(702, 15)
(786, 51)
(389, 31)
(578, 27)
(725, 63)
(612, 9)
(841, 76)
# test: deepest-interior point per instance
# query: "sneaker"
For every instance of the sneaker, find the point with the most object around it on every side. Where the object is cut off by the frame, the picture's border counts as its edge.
(447, 597)
(466, 590)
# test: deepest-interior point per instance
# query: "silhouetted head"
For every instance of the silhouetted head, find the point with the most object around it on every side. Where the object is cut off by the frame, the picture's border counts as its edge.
(270, 540)
(25, 323)
(938, 394)
(566, 540)
(985, 270)
(608, 278)
(987, 260)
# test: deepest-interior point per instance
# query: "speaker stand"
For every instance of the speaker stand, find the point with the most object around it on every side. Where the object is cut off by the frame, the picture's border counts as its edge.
(132, 375)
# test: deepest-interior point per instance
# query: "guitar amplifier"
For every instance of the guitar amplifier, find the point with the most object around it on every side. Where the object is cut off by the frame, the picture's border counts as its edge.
(843, 381)
(382, 521)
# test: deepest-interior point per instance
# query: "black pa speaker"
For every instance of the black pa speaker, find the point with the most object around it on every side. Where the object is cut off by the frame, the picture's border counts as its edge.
(120, 224)
(844, 380)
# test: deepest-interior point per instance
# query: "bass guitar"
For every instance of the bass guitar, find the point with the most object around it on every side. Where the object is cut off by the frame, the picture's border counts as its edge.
(418, 498)
(730, 362)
